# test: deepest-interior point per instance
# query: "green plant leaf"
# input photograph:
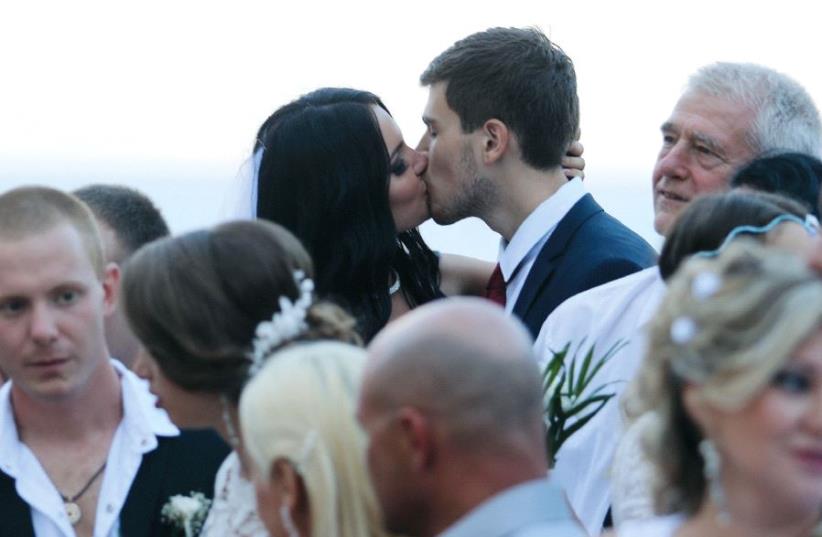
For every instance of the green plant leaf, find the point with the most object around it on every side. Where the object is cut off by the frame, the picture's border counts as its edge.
(564, 382)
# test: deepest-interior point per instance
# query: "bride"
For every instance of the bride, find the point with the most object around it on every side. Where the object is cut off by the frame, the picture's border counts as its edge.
(197, 303)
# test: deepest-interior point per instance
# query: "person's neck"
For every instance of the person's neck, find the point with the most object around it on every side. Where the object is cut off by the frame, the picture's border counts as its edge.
(127, 351)
(96, 408)
(522, 189)
(468, 483)
(227, 426)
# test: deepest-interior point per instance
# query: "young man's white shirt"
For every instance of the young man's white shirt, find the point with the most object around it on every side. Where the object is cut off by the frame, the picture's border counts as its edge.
(135, 435)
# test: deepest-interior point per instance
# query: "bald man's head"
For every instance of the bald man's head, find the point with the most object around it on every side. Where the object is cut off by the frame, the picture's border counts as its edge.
(467, 365)
(451, 402)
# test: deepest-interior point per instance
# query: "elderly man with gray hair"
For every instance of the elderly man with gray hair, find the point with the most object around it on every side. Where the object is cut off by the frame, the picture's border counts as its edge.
(452, 405)
(729, 114)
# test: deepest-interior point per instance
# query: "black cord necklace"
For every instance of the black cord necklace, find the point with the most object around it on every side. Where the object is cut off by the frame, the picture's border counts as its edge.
(70, 503)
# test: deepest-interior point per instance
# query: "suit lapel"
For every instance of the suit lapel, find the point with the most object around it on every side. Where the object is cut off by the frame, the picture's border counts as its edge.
(545, 263)
(139, 516)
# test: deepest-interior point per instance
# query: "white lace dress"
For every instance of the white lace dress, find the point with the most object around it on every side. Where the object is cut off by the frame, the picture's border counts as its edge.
(632, 475)
(234, 510)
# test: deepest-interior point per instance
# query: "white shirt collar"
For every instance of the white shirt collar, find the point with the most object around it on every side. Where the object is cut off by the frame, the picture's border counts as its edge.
(141, 416)
(541, 222)
(136, 435)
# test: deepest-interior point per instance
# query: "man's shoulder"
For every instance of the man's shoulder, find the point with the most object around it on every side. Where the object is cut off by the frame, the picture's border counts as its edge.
(588, 248)
(200, 450)
(600, 247)
(613, 237)
(594, 312)
(565, 528)
(191, 458)
(621, 289)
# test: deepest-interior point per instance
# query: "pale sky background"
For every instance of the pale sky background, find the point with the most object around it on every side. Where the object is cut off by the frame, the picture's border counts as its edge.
(167, 96)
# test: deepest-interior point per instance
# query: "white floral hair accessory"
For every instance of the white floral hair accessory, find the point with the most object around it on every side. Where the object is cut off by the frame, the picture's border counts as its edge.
(284, 325)
(683, 330)
(705, 285)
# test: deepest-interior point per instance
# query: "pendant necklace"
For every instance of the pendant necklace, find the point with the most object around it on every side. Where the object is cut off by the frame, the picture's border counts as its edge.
(70, 504)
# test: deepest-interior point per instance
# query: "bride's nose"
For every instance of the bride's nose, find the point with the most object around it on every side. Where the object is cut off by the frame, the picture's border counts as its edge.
(420, 163)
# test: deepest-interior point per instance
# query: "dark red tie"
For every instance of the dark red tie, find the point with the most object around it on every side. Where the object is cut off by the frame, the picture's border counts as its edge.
(495, 290)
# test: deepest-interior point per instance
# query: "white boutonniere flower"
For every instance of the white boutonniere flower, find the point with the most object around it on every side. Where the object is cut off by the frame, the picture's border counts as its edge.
(186, 513)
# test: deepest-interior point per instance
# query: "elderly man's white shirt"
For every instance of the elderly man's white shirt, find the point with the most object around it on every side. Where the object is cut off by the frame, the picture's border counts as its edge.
(517, 256)
(617, 311)
(136, 435)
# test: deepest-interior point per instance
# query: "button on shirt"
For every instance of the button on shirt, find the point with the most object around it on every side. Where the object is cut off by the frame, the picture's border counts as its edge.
(517, 256)
(142, 422)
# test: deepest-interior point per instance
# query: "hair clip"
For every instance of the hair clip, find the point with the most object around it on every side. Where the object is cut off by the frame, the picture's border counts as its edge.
(309, 444)
(683, 330)
(705, 285)
(284, 325)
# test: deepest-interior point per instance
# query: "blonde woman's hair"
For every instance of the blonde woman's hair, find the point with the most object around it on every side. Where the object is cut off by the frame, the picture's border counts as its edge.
(726, 325)
(301, 407)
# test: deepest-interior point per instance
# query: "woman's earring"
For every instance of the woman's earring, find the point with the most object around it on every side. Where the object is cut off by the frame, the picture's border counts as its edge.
(288, 523)
(231, 432)
(712, 469)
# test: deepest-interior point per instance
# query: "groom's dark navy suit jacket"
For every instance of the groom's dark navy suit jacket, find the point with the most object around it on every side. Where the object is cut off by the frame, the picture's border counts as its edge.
(179, 465)
(589, 247)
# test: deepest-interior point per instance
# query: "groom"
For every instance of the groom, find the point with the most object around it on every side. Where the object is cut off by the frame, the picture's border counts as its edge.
(83, 449)
(502, 111)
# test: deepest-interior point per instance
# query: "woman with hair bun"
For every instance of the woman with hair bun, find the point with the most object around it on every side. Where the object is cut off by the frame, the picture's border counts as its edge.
(734, 378)
(306, 449)
(209, 307)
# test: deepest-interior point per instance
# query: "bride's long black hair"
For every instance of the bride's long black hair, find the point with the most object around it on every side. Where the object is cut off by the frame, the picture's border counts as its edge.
(324, 174)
